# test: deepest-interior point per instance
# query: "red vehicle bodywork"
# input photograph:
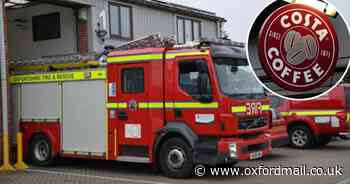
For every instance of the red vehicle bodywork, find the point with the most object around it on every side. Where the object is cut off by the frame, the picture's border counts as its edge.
(325, 116)
(162, 89)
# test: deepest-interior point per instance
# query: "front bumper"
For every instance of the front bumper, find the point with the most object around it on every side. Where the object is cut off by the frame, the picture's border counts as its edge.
(231, 150)
(279, 140)
(250, 149)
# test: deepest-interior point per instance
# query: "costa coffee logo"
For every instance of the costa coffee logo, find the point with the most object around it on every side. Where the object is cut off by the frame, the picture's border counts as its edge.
(298, 47)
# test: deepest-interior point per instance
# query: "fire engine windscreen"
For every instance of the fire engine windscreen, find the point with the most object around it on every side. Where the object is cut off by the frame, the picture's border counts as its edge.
(236, 79)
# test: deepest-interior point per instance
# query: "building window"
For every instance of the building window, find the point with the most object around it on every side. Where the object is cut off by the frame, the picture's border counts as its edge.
(133, 80)
(46, 27)
(120, 18)
(188, 30)
(189, 76)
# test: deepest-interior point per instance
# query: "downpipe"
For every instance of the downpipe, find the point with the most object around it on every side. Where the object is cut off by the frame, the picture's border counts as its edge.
(4, 94)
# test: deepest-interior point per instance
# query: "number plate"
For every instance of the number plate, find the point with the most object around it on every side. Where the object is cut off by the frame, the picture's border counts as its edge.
(256, 155)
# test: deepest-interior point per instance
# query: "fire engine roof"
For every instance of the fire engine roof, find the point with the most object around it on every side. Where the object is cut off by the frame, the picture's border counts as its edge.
(223, 51)
(137, 52)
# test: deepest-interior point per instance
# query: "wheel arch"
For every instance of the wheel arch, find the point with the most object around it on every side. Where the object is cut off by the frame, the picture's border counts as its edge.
(172, 130)
(303, 122)
(49, 136)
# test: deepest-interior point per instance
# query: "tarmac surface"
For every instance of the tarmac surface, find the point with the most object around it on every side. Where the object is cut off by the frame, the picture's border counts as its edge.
(105, 172)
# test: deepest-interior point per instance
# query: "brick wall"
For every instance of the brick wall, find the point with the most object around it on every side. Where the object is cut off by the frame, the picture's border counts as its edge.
(83, 44)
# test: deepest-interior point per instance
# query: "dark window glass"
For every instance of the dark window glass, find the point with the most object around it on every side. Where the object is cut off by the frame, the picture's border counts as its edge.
(133, 80)
(275, 101)
(46, 27)
(190, 76)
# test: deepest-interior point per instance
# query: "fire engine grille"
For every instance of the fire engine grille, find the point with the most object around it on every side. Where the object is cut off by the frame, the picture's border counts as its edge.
(254, 148)
(252, 123)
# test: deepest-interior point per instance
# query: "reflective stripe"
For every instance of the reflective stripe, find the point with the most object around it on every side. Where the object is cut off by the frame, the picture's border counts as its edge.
(311, 113)
(152, 105)
(190, 105)
(348, 117)
(58, 77)
(169, 105)
(265, 107)
(284, 113)
(242, 109)
(117, 105)
(135, 58)
(238, 109)
(184, 54)
(159, 105)
(150, 57)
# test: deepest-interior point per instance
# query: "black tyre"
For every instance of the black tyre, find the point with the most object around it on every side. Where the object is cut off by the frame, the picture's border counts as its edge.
(176, 159)
(40, 151)
(324, 140)
(301, 137)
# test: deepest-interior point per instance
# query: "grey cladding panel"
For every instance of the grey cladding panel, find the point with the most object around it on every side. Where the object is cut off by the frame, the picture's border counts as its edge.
(40, 101)
(84, 116)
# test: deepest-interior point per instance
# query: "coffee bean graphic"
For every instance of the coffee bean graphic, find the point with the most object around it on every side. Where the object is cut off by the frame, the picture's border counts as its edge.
(299, 48)
(310, 47)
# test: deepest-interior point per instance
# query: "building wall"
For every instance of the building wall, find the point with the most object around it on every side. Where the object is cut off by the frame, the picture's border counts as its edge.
(145, 21)
(21, 44)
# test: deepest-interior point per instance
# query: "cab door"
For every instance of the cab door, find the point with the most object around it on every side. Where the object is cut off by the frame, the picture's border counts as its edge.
(193, 95)
(128, 87)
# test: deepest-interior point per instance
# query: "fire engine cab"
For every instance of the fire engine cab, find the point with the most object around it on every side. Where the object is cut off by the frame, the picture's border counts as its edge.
(315, 122)
(172, 107)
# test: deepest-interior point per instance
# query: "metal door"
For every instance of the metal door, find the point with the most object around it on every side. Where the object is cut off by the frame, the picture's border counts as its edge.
(128, 129)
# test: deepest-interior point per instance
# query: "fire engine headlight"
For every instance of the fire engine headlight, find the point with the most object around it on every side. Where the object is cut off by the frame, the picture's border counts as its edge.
(233, 150)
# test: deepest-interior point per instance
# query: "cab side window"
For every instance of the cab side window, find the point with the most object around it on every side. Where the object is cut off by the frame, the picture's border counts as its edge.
(275, 101)
(133, 80)
(190, 76)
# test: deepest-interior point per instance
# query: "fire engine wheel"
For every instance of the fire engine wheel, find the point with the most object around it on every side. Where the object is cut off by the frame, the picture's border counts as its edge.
(41, 151)
(175, 159)
(301, 137)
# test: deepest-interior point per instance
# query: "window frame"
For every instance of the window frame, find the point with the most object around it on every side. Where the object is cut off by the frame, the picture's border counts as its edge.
(120, 36)
(184, 28)
(196, 96)
(34, 18)
(123, 77)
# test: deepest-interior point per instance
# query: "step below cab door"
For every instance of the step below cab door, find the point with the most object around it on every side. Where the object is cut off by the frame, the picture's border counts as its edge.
(129, 128)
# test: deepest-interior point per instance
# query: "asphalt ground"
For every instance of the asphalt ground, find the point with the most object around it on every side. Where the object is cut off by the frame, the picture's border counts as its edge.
(72, 171)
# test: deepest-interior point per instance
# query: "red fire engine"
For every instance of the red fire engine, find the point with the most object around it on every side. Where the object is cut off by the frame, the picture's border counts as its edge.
(314, 122)
(172, 107)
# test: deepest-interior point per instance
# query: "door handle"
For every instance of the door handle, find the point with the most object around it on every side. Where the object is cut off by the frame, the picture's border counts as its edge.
(178, 113)
(122, 116)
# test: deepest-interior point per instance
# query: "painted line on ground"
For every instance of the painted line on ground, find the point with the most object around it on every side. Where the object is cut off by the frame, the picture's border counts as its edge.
(346, 181)
(95, 177)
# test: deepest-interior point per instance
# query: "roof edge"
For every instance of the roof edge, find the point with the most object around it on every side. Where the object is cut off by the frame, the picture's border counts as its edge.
(177, 8)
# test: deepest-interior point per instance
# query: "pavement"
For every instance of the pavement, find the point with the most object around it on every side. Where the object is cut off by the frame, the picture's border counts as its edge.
(71, 171)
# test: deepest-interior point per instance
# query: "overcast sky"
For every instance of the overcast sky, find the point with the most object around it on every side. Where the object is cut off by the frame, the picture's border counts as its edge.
(241, 13)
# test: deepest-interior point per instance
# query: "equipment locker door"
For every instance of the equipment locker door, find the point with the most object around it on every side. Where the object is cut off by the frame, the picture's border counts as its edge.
(128, 87)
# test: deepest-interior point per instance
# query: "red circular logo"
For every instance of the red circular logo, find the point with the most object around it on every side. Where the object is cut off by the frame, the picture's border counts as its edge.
(298, 47)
